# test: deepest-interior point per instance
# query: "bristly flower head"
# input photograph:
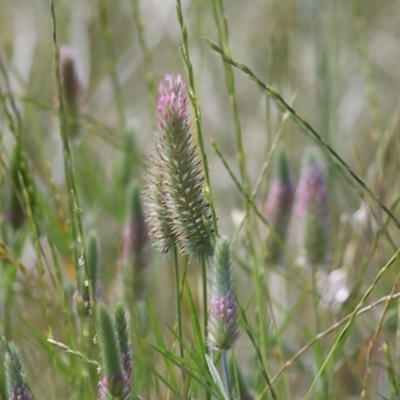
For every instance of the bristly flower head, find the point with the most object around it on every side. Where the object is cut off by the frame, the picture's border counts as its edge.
(222, 321)
(116, 380)
(16, 386)
(278, 207)
(123, 334)
(312, 213)
(178, 209)
(14, 210)
(136, 249)
(72, 89)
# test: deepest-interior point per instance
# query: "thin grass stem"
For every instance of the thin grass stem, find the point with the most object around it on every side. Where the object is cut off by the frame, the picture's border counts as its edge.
(73, 201)
(318, 328)
(112, 65)
(204, 282)
(178, 300)
(197, 112)
(284, 106)
(227, 374)
(151, 86)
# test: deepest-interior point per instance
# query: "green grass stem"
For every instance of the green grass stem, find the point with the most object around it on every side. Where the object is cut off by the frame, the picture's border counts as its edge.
(73, 201)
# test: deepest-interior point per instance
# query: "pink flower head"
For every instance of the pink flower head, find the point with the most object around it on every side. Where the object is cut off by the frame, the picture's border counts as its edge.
(118, 386)
(278, 208)
(312, 190)
(172, 102)
(222, 322)
(280, 199)
(223, 314)
(312, 213)
(72, 87)
(178, 210)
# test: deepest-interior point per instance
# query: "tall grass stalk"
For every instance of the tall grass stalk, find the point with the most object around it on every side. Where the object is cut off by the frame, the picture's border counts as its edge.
(146, 54)
(227, 373)
(112, 65)
(367, 68)
(178, 299)
(197, 114)
(73, 201)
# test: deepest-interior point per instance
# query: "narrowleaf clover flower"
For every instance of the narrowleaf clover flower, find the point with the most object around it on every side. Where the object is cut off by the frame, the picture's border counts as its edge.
(72, 89)
(178, 210)
(116, 380)
(15, 375)
(15, 213)
(222, 322)
(278, 208)
(312, 213)
(123, 334)
(94, 264)
(136, 248)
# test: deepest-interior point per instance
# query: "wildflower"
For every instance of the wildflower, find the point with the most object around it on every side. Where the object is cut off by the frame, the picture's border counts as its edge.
(178, 209)
(123, 334)
(278, 208)
(16, 386)
(72, 89)
(106, 385)
(222, 322)
(312, 213)
(116, 380)
(15, 213)
(136, 248)
(93, 260)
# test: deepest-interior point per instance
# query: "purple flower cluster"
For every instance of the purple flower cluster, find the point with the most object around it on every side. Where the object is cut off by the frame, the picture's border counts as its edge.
(21, 393)
(118, 386)
(310, 214)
